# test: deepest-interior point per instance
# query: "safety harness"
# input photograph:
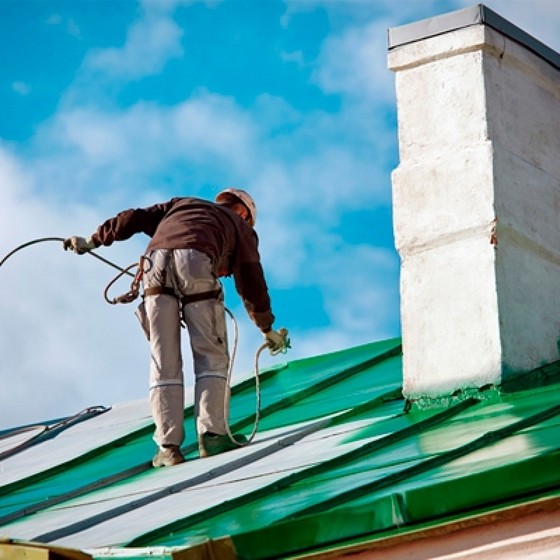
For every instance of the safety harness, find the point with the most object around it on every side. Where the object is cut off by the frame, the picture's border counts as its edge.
(184, 299)
(134, 291)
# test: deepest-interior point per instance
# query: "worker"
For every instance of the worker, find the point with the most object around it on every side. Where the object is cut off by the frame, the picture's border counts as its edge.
(193, 243)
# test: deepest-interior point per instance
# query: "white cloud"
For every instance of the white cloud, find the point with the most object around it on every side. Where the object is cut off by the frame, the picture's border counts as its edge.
(73, 28)
(355, 63)
(211, 126)
(21, 88)
(151, 42)
(99, 137)
(361, 291)
(363, 300)
(295, 57)
(127, 152)
(74, 354)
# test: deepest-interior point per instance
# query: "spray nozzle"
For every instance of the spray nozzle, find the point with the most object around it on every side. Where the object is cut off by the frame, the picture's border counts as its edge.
(283, 348)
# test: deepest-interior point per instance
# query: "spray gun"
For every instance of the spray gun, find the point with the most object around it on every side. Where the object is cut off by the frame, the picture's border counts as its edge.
(285, 343)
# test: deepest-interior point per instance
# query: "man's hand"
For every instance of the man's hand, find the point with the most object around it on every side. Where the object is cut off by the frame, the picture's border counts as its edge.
(79, 245)
(276, 340)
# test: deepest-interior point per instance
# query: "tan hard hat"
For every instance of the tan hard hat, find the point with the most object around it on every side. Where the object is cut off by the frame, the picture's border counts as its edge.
(244, 197)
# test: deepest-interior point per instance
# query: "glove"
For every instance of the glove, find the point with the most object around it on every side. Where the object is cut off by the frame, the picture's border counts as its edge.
(276, 340)
(79, 245)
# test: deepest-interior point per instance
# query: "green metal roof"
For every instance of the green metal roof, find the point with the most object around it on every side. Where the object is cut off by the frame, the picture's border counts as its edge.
(339, 457)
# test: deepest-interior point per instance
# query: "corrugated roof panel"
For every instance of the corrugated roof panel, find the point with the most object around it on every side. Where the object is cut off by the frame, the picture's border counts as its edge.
(319, 481)
(348, 391)
(200, 490)
(386, 470)
(337, 455)
(129, 455)
(100, 429)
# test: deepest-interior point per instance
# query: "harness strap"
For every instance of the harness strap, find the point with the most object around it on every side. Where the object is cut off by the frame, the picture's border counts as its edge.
(160, 290)
(201, 296)
(185, 300)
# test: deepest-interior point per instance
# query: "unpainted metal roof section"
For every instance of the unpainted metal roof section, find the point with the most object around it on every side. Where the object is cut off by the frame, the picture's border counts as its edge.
(475, 15)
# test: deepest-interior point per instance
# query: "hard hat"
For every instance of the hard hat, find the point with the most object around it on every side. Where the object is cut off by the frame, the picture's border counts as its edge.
(244, 197)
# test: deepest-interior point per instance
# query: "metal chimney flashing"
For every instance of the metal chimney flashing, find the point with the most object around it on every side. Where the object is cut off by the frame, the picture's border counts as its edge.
(475, 15)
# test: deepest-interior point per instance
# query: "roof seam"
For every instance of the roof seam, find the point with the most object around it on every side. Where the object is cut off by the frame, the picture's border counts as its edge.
(179, 487)
(318, 387)
(291, 479)
(51, 431)
(399, 476)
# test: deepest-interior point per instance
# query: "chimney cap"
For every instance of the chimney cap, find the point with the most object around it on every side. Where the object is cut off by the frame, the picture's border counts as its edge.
(475, 15)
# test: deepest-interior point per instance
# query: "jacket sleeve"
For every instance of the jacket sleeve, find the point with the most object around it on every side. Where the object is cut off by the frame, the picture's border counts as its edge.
(250, 282)
(129, 222)
(255, 295)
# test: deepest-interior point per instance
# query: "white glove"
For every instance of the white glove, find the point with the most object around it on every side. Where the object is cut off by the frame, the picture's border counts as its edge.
(79, 245)
(276, 340)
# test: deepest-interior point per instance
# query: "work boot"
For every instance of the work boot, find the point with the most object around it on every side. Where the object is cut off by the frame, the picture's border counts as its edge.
(168, 456)
(212, 444)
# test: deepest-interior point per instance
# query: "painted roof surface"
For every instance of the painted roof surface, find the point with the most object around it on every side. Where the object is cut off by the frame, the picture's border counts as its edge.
(339, 457)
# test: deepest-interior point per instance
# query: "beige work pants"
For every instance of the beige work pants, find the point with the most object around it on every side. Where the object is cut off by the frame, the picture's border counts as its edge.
(189, 272)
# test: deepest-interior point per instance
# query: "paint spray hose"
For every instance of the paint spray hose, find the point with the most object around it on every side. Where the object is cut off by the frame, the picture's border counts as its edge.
(264, 346)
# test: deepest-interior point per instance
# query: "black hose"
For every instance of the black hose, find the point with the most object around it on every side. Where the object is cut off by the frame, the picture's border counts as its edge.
(24, 245)
(43, 239)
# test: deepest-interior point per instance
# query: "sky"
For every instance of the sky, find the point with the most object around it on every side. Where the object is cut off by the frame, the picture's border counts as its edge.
(113, 104)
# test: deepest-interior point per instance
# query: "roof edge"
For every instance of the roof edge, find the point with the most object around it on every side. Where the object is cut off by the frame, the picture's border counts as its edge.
(433, 530)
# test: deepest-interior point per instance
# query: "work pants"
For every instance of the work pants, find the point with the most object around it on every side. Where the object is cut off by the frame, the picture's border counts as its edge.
(188, 272)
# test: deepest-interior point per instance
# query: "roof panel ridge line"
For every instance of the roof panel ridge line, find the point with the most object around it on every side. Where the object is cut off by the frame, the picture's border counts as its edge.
(249, 383)
(138, 469)
(76, 492)
(53, 430)
(391, 395)
(506, 431)
(312, 390)
(84, 458)
(480, 442)
(370, 447)
(322, 385)
(304, 393)
(211, 474)
(189, 410)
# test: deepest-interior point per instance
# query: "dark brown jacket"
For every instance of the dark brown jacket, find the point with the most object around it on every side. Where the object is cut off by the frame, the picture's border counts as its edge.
(192, 223)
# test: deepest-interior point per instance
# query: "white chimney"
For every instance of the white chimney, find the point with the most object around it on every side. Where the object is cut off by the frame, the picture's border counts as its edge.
(476, 201)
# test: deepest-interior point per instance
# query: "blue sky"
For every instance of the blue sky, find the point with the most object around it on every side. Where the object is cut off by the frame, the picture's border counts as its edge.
(107, 105)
